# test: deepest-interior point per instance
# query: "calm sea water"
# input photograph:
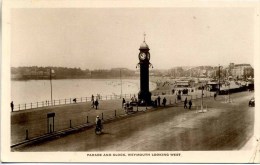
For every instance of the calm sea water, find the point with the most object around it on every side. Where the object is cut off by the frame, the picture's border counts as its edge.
(40, 90)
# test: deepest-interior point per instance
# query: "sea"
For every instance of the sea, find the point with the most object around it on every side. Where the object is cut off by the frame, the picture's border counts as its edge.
(31, 91)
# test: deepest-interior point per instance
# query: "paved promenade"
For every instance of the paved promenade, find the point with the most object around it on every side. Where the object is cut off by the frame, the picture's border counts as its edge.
(225, 126)
(71, 115)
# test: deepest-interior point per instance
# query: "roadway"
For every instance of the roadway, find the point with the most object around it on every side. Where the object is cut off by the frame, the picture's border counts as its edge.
(225, 126)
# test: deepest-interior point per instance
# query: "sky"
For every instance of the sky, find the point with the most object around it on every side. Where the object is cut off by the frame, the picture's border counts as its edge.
(104, 38)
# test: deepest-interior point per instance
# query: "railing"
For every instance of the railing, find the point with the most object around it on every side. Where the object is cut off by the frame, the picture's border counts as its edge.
(65, 101)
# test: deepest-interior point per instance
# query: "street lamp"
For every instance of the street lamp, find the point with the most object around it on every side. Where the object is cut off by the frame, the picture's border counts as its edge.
(121, 83)
(202, 88)
(228, 83)
(51, 84)
(219, 78)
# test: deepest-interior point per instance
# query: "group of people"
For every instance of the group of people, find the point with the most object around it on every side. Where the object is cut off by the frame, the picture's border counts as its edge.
(182, 91)
(95, 103)
(128, 105)
(157, 101)
(133, 99)
(185, 103)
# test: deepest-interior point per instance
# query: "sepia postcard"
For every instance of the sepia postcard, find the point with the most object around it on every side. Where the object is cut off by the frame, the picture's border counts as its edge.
(130, 81)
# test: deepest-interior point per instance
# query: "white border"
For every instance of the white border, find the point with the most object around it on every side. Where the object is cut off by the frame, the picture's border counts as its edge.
(186, 157)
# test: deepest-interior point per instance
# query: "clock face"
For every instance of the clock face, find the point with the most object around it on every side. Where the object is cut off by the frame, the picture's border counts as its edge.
(142, 56)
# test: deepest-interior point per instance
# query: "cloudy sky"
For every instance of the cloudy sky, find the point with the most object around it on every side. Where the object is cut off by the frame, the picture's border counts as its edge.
(104, 38)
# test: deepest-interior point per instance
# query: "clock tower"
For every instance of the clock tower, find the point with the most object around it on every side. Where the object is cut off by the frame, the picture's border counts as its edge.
(144, 95)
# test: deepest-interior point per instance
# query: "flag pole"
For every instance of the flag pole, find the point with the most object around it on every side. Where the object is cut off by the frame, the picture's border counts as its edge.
(51, 86)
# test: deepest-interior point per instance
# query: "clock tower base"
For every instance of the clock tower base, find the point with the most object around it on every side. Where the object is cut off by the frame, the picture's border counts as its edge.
(144, 98)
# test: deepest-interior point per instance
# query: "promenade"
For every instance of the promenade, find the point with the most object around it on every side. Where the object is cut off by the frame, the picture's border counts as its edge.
(224, 126)
(34, 121)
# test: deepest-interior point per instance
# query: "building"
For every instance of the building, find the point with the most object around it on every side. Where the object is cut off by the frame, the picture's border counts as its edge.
(240, 71)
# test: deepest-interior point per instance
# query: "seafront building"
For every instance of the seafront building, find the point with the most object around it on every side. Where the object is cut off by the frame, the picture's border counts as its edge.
(240, 71)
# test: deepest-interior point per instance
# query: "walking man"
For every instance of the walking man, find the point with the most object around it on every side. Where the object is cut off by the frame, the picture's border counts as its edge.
(159, 101)
(215, 95)
(164, 101)
(185, 103)
(12, 106)
(96, 103)
(190, 104)
(98, 123)
(92, 100)
(123, 102)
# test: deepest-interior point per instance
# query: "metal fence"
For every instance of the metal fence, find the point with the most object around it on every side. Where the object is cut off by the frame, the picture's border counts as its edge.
(47, 103)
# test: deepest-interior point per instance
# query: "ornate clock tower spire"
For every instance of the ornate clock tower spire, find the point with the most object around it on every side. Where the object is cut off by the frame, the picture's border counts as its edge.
(144, 96)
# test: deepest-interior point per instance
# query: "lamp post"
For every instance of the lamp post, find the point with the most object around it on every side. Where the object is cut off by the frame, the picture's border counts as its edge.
(51, 85)
(219, 79)
(121, 83)
(202, 88)
(228, 92)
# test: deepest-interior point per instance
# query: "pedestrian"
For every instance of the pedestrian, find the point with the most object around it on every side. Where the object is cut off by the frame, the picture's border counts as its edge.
(132, 99)
(159, 101)
(12, 106)
(215, 95)
(179, 97)
(98, 123)
(164, 101)
(92, 100)
(125, 106)
(123, 102)
(99, 96)
(135, 99)
(96, 103)
(97, 118)
(185, 103)
(190, 104)
(93, 104)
